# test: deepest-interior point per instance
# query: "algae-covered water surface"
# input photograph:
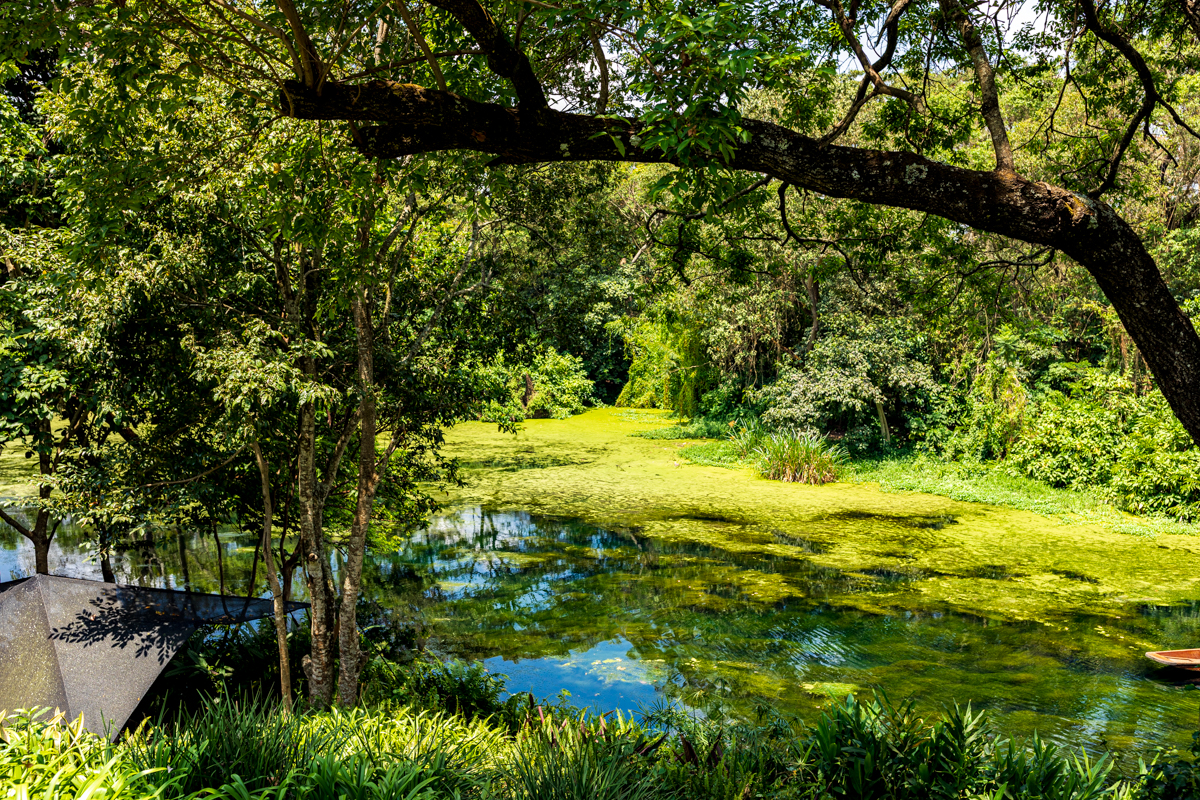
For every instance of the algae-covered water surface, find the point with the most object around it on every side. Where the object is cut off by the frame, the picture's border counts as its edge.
(578, 558)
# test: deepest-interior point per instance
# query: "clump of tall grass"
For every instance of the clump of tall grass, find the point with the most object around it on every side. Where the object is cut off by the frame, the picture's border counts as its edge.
(800, 457)
(48, 758)
(580, 759)
(747, 436)
(257, 742)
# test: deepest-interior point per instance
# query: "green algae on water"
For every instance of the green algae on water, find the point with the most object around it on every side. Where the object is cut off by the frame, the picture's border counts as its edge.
(948, 551)
(623, 622)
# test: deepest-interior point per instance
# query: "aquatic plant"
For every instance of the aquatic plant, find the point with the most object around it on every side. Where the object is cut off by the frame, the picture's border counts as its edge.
(747, 436)
(800, 457)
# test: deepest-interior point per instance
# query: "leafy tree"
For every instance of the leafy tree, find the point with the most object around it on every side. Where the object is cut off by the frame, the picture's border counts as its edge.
(671, 83)
(295, 320)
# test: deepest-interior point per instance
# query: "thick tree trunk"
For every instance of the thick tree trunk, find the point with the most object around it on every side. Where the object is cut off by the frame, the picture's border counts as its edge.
(368, 480)
(418, 120)
(280, 609)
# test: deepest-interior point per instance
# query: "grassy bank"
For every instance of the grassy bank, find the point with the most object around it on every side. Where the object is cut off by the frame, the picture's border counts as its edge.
(992, 484)
(995, 485)
(431, 750)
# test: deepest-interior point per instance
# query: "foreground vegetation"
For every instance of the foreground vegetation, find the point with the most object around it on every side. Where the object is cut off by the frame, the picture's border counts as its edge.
(414, 742)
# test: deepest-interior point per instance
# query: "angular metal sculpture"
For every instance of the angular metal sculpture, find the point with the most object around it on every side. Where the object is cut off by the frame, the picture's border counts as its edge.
(93, 648)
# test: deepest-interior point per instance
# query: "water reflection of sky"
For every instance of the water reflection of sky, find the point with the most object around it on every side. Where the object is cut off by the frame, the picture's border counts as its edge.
(607, 676)
(622, 620)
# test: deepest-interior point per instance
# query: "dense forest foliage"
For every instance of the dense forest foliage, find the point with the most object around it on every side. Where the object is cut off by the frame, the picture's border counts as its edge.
(259, 257)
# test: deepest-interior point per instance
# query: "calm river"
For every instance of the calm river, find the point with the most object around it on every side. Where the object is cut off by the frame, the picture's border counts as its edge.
(621, 619)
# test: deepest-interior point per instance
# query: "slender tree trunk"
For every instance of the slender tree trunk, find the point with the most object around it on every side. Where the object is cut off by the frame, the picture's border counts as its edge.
(280, 616)
(814, 299)
(318, 665)
(37, 535)
(883, 424)
(368, 480)
(40, 535)
(183, 562)
(106, 570)
(41, 543)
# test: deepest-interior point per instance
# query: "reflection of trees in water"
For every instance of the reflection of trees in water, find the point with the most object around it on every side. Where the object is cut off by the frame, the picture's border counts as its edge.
(175, 559)
(523, 586)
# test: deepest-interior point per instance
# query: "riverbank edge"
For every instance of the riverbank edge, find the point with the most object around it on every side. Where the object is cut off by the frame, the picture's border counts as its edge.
(919, 473)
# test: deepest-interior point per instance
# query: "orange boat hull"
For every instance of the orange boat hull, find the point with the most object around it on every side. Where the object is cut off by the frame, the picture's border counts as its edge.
(1186, 659)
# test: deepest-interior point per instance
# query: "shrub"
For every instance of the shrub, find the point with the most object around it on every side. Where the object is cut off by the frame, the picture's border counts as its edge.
(1102, 434)
(858, 375)
(696, 428)
(460, 687)
(1072, 439)
(800, 457)
(1173, 780)
(1158, 469)
(560, 384)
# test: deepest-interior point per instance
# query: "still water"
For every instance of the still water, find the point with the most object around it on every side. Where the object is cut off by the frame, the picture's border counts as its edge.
(621, 619)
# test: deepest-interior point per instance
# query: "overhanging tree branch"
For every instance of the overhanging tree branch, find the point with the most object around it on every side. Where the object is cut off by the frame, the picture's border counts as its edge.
(503, 58)
(418, 120)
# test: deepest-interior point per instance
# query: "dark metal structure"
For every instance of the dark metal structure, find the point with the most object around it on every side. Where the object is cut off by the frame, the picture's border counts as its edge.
(93, 648)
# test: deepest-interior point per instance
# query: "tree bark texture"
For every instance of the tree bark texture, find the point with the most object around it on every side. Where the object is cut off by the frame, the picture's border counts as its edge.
(41, 534)
(368, 481)
(318, 667)
(280, 609)
(419, 120)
